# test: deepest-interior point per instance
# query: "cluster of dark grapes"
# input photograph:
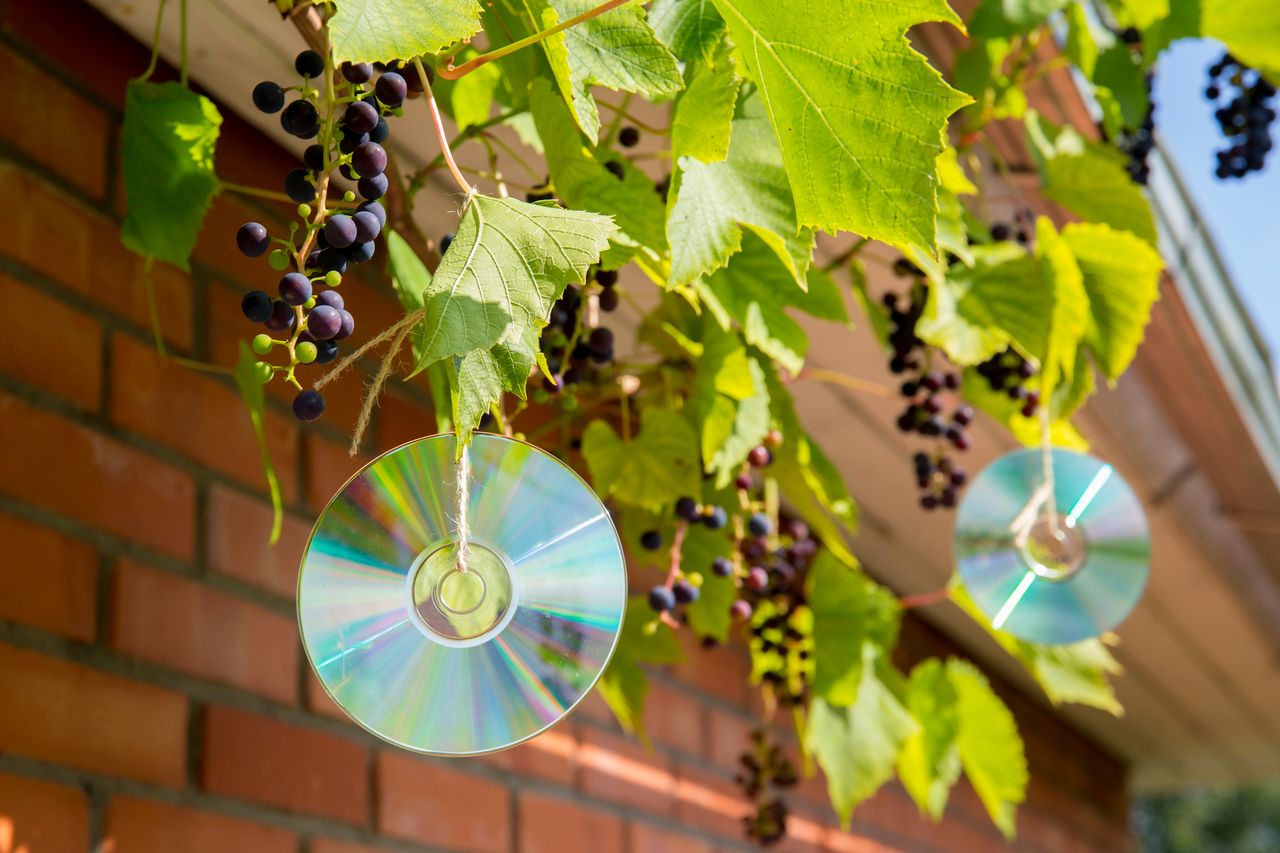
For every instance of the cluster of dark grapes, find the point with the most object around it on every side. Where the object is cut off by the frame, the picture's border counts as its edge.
(1007, 373)
(1244, 112)
(309, 320)
(574, 352)
(929, 394)
(766, 772)
(1139, 143)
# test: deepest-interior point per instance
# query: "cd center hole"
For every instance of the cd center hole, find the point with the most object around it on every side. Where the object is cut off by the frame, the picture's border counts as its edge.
(1054, 550)
(461, 592)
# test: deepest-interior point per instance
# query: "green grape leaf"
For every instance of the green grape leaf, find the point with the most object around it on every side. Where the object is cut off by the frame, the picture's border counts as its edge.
(471, 97)
(624, 686)
(509, 262)
(1089, 179)
(653, 470)
(1122, 278)
(812, 484)
(709, 615)
(1077, 673)
(583, 182)
(250, 387)
(1144, 13)
(409, 279)
(853, 166)
(999, 18)
(990, 748)
(484, 376)
(1249, 28)
(383, 30)
(1122, 73)
(731, 400)
(756, 291)
(692, 29)
(930, 760)
(1069, 317)
(701, 122)
(858, 745)
(711, 202)
(849, 610)
(1081, 47)
(616, 50)
(167, 145)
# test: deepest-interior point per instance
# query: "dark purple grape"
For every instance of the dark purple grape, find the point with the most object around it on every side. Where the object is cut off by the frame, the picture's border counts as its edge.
(295, 288)
(369, 158)
(609, 300)
(309, 64)
(257, 306)
(600, 340)
(340, 231)
(741, 610)
(357, 72)
(757, 579)
(324, 322)
(358, 253)
(445, 242)
(298, 186)
(326, 351)
(308, 405)
(722, 567)
(759, 457)
(410, 75)
(282, 318)
(616, 169)
(380, 132)
(300, 119)
(661, 599)
(268, 97)
(628, 137)
(688, 509)
(332, 298)
(332, 260)
(715, 519)
(313, 157)
(391, 89)
(606, 278)
(759, 525)
(377, 210)
(367, 225)
(360, 117)
(651, 540)
(348, 326)
(372, 186)
(685, 592)
(252, 239)
(351, 139)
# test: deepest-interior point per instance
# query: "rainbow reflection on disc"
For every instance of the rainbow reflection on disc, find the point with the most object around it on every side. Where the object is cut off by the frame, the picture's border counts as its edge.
(1046, 582)
(461, 663)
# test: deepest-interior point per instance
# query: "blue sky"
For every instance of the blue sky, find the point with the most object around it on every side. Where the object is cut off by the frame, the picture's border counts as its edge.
(1243, 215)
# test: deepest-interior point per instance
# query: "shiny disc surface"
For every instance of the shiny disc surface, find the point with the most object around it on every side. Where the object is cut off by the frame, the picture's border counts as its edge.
(1046, 582)
(460, 663)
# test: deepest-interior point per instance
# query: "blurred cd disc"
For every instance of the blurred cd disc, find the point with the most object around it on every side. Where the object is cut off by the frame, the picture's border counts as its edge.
(1052, 582)
(452, 662)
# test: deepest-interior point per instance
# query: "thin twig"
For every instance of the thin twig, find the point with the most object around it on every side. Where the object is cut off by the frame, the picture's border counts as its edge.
(466, 188)
(389, 332)
(833, 377)
(677, 551)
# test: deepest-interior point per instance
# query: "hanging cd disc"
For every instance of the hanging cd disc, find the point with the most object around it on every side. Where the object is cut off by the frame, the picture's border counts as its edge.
(1052, 571)
(461, 661)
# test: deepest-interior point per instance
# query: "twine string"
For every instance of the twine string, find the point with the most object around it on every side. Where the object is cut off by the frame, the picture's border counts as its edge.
(464, 500)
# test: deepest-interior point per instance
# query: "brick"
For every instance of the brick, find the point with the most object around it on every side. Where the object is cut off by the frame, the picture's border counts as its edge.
(320, 702)
(50, 582)
(256, 758)
(52, 124)
(425, 801)
(328, 468)
(80, 249)
(239, 541)
(552, 755)
(709, 802)
(402, 419)
(674, 718)
(42, 816)
(195, 415)
(216, 244)
(203, 631)
(646, 838)
(622, 771)
(145, 826)
(332, 845)
(720, 671)
(74, 471)
(70, 714)
(727, 738)
(56, 348)
(552, 825)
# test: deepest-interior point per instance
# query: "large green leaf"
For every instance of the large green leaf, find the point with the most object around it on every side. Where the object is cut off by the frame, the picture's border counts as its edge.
(409, 279)
(693, 29)
(990, 748)
(857, 746)
(999, 18)
(930, 761)
(250, 387)
(1089, 179)
(616, 50)
(167, 150)
(731, 400)
(471, 97)
(713, 201)
(659, 466)
(1122, 278)
(701, 121)
(1249, 28)
(624, 685)
(508, 263)
(1122, 73)
(853, 164)
(1081, 47)
(1143, 13)
(708, 616)
(849, 609)
(383, 30)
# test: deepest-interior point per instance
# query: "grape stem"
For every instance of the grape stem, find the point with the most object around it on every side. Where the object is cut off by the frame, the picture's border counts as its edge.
(621, 110)
(449, 72)
(677, 552)
(924, 599)
(844, 380)
(445, 150)
(155, 43)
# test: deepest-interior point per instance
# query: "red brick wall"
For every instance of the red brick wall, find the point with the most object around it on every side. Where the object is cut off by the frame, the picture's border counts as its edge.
(152, 690)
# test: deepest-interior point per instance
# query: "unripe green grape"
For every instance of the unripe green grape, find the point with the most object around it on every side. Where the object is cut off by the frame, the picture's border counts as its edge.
(263, 372)
(541, 397)
(694, 578)
(333, 278)
(278, 260)
(262, 344)
(304, 210)
(309, 304)
(348, 196)
(569, 403)
(305, 351)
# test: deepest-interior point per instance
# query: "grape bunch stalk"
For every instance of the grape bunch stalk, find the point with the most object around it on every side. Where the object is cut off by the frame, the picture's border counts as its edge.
(307, 317)
(1243, 98)
(766, 772)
